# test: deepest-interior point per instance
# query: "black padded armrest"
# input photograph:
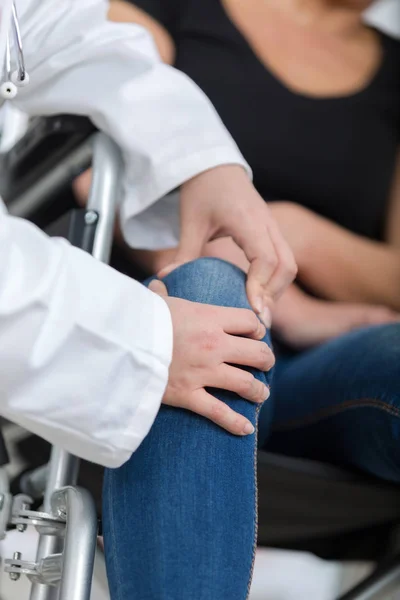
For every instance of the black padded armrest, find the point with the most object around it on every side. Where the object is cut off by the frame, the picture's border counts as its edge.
(47, 141)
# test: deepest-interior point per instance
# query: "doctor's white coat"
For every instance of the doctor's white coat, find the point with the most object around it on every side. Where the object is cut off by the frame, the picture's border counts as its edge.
(85, 351)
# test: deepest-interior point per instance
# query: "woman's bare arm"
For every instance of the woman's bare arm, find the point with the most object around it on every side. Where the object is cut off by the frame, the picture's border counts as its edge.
(337, 264)
(333, 263)
(124, 12)
(393, 220)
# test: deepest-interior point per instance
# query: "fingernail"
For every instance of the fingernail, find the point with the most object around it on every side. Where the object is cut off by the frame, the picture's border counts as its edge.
(258, 305)
(248, 429)
(154, 285)
(158, 287)
(265, 317)
(167, 270)
(267, 393)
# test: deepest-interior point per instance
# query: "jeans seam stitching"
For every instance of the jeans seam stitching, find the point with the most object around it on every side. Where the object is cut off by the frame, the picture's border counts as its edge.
(114, 555)
(255, 469)
(333, 411)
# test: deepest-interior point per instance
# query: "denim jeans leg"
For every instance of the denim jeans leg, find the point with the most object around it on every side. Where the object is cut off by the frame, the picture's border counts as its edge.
(180, 515)
(340, 402)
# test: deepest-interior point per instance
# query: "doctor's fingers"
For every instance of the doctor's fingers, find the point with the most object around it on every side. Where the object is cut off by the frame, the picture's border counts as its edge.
(206, 405)
(272, 265)
(158, 287)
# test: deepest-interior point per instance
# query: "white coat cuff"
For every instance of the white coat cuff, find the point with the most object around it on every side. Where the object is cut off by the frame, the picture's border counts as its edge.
(150, 211)
(139, 423)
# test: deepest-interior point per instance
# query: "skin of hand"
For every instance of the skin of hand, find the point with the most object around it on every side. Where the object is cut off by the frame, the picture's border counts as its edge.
(207, 341)
(298, 319)
(218, 203)
(223, 202)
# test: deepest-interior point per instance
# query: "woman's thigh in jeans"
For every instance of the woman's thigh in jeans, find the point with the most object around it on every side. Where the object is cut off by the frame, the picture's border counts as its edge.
(341, 402)
(180, 515)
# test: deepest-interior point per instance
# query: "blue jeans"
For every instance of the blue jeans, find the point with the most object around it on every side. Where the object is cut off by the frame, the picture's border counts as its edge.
(180, 517)
(340, 403)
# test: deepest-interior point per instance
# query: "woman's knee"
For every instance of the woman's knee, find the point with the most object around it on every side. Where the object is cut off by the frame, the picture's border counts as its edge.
(209, 281)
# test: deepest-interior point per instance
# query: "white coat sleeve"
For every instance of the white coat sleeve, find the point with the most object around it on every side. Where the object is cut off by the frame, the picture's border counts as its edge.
(168, 130)
(84, 351)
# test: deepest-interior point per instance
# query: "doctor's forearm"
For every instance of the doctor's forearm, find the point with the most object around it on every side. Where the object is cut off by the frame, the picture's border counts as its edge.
(85, 351)
(81, 63)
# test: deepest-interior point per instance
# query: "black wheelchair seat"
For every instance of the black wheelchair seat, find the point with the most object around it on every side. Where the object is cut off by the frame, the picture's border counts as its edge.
(312, 506)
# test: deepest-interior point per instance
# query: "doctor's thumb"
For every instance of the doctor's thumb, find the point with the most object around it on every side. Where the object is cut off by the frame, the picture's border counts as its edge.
(158, 287)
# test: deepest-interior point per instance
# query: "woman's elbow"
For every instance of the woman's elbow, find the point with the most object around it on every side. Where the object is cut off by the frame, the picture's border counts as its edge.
(123, 12)
(299, 226)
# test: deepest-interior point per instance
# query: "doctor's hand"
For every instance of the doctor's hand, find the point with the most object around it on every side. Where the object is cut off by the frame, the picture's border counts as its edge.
(223, 202)
(206, 344)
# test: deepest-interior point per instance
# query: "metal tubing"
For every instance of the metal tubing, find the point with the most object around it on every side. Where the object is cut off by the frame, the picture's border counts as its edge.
(63, 470)
(104, 192)
(5, 502)
(383, 582)
(39, 193)
(34, 483)
(4, 481)
(80, 541)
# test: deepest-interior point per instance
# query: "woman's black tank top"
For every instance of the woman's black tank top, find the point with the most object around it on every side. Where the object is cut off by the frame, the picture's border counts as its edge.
(335, 156)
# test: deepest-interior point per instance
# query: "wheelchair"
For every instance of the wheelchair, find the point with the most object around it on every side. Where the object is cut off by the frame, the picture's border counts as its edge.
(67, 521)
(303, 505)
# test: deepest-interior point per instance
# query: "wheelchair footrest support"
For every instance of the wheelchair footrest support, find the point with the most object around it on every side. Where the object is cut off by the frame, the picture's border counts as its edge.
(72, 518)
(47, 572)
